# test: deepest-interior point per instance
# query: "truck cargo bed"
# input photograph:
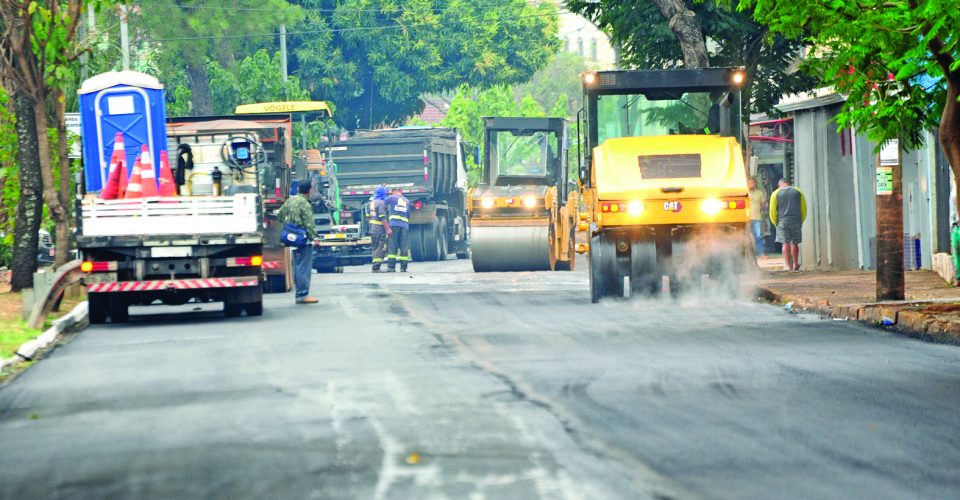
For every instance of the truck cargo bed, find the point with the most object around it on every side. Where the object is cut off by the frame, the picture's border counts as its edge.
(169, 216)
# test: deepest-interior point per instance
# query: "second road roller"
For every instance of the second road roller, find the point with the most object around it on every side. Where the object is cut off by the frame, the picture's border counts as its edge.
(523, 213)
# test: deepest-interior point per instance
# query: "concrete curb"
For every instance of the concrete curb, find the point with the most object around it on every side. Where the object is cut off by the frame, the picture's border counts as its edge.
(28, 350)
(884, 315)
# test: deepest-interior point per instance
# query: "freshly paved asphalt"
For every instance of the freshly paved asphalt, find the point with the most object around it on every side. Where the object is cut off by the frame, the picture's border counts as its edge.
(443, 383)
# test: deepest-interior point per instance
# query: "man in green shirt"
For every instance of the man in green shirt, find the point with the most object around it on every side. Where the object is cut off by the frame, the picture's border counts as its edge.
(297, 210)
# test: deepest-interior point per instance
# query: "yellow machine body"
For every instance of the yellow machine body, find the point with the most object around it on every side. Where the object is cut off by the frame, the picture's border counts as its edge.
(673, 201)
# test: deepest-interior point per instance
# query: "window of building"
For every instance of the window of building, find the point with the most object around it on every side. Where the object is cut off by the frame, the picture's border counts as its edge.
(593, 49)
(580, 45)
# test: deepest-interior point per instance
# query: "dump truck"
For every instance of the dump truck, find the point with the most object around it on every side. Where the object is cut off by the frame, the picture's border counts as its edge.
(522, 215)
(427, 164)
(664, 181)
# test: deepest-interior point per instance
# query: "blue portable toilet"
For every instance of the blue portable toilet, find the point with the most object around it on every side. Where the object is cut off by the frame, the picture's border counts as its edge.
(120, 101)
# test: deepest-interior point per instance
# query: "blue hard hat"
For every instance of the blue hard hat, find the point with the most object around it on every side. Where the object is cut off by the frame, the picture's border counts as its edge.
(380, 193)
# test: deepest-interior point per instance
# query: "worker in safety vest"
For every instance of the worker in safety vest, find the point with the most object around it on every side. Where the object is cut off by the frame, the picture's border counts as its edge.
(398, 242)
(379, 229)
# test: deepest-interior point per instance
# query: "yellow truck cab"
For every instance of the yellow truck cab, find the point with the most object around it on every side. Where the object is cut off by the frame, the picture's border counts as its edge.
(663, 180)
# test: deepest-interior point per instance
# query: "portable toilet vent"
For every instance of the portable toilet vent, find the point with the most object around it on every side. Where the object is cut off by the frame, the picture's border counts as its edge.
(126, 102)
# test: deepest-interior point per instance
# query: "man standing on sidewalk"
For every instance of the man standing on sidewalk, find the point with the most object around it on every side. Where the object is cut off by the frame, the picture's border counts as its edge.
(398, 243)
(297, 210)
(379, 228)
(758, 199)
(788, 210)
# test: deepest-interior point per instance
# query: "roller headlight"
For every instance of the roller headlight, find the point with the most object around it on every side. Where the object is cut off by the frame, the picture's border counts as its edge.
(711, 206)
(635, 208)
(486, 203)
(529, 202)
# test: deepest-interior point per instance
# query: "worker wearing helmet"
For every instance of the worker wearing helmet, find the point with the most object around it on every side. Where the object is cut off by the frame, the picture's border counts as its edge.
(398, 241)
(379, 228)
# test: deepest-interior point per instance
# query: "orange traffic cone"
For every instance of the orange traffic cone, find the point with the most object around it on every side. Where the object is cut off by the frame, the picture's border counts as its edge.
(111, 190)
(148, 176)
(167, 186)
(134, 188)
(124, 180)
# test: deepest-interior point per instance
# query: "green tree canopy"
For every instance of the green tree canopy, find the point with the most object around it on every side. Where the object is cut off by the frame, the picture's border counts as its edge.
(375, 58)
(897, 60)
(192, 33)
(470, 105)
(646, 41)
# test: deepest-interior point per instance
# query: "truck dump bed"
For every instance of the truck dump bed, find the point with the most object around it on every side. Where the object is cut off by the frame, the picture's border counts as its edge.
(420, 161)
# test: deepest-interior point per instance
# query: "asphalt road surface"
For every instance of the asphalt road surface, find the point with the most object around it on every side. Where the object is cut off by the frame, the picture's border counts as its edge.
(442, 383)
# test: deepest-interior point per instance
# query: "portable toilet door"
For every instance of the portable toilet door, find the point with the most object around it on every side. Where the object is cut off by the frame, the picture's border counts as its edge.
(120, 101)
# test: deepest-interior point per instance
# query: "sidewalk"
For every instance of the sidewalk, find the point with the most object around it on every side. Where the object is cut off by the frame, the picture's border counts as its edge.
(931, 308)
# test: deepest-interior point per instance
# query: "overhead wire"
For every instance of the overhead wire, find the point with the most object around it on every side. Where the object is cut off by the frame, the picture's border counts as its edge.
(330, 30)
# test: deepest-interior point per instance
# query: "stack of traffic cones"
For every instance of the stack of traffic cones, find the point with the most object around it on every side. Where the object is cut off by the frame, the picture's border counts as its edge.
(167, 186)
(148, 176)
(135, 186)
(113, 189)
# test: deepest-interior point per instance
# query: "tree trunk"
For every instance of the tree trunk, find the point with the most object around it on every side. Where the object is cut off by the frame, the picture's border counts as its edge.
(200, 86)
(51, 191)
(686, 27)
(63, 229)
(950, 133)
(30, 206)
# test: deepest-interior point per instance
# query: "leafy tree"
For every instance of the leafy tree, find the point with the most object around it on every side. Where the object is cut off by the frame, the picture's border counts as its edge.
(737, 40)
(192, 33)
(897, 60)
(39, 48)
(560, 77)
(254, 79)
(374, 58)
(470, 105)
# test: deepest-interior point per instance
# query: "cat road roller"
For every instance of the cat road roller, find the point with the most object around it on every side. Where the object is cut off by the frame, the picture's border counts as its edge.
(664, 180)
(523, 214)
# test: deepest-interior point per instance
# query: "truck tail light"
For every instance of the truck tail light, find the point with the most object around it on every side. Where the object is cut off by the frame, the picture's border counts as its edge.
(97, 267)
(417, 205)
(255, 261)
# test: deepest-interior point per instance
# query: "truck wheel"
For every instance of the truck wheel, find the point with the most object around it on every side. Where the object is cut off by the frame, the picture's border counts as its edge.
(416, 242)
(119, 309)
(254, 309)
(464, 254)
(96, 308)
(646, 279)
(431, 241)
(603, 269)
(442, 238)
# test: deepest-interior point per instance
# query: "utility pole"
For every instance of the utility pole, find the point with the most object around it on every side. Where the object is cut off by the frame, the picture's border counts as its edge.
(283, 55)
(124, 38)
(890, 284)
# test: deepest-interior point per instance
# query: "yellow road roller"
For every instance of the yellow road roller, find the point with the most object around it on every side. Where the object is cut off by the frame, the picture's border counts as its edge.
(664, 181)
(523, 213)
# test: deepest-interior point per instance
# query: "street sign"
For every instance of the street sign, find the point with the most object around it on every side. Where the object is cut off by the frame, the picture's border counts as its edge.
(890, 153)
(884, 180)
(72, 121)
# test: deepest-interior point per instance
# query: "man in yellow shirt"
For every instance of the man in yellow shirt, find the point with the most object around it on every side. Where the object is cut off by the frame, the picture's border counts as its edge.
(788, 209)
